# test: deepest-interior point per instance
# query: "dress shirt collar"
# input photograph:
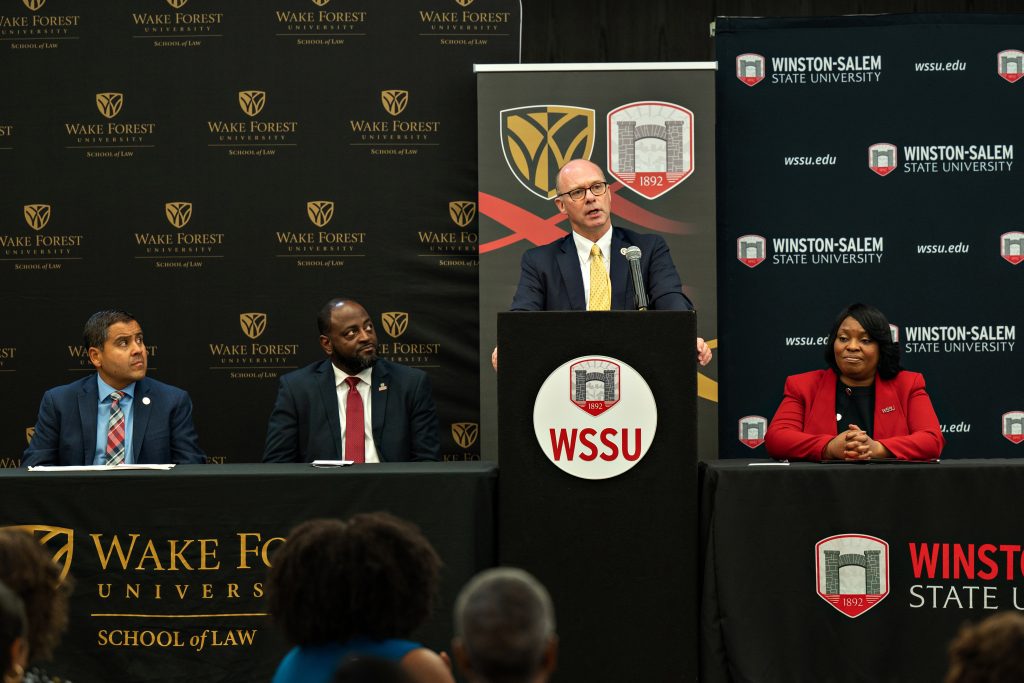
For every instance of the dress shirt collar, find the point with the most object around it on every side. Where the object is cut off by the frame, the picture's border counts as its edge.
(105, 390)
(340, 375)
(604, 243)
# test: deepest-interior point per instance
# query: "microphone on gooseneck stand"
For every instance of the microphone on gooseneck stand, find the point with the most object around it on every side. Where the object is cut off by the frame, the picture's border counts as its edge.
(632, 255)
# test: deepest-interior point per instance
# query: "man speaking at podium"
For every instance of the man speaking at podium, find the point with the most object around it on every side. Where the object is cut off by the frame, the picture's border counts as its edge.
(586, 270)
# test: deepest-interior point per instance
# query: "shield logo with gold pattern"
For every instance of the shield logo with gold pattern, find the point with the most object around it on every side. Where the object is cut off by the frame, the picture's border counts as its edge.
(465, 434)
(29, 433)
(178, 213)
(395, 323)
(394, 101)
(539, 140)
(462, 213)
(252, 101)
(109, 103)
(37, 215)
(320, 3)
(34, 5)
(253, 324)
(320, 212)
(57, 540)
(177, 4)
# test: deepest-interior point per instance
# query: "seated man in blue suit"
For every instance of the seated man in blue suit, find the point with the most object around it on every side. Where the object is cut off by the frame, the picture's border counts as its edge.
(353, 405)
(585, 270)
(117, 416)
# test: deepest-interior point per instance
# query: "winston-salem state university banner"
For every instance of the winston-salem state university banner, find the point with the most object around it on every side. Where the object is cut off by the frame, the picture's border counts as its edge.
(651, 128)
(873, 159)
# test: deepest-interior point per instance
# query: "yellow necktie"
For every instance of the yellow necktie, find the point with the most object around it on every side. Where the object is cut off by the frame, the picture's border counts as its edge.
(600, 285)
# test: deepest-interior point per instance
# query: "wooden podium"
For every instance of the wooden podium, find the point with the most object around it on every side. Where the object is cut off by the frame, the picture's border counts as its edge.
(619, 555)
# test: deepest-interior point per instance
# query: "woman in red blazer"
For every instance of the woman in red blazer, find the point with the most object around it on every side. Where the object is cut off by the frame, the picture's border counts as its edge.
(865, 406)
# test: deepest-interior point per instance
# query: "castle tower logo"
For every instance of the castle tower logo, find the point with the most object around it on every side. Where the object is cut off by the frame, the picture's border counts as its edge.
(882, 158)
(37, 215)
(538, 140)
(320, 212)
(462, 213)
(177, 4)
(109, 103)
(34, 5)
(395, 323)
(852, 592)
(1013, 426)
(1009, 65)
(750, 68)
(253, 324)
(178, 213)
(751, 250)
(394, 101)
(595, 385)
(465, 434)
(252, 101)
(752, 429)
(1011, 246)
(650, 146)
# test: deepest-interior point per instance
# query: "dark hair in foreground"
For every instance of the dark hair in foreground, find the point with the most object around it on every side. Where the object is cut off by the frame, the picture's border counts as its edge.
(506, 622)
(374, 575)
(12, 624)
(370, 670)
(27, 570)
(876, 325)
(989, 652)
(95, 331)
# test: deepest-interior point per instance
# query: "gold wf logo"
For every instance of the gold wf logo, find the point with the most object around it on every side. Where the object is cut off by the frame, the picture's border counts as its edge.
(394, 101)
(464, 3)
(34, 5)
(29, 433)
(37, 215)
(60, 541)
(320, 3)
(539, 140)
(395, 323)
(465, 434)
(109, 103)
(320, 212)
(178, 213)
(253, 324)
(252, 101)
(177, 4)
(462, 213)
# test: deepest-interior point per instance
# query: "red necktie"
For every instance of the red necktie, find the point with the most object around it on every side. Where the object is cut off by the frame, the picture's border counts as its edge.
(355, 446)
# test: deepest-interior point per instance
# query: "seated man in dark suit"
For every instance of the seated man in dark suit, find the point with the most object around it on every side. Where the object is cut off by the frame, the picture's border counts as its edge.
(391, 406)
(586, 270)
(117, 416)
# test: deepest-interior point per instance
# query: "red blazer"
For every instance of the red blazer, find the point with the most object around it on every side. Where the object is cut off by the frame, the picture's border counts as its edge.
(805, 422)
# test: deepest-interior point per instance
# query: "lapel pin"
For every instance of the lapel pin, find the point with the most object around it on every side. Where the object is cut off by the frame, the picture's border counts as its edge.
(145, 400)
(382, 387)
(888, 409)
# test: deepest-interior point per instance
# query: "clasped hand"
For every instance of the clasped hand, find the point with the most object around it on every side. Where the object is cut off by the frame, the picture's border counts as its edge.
(854, 444)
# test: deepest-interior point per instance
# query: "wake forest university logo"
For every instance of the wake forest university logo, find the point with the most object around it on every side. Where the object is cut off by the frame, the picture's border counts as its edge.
(109, 103)
(34, 5)
(465, 434)
(750, 68)
(882, 158)
(58, 540)
(37, 215)
(177, 4)
(395, 323)
(252, 101)
(859, 589)
(752, 429)
(253, 324)
(650, 146)
(394, 101)
(1010, 65)
(539, 140)
(178, 213)
(751, 250)
(462, 213)
(320, 212)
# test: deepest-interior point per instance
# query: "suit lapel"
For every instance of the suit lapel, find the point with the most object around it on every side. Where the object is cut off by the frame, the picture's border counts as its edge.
(379, 391)
(572, 276)
(888, 410)
(621, 291)
(140, 417)
(822, 416)
(329, 400)
(88, 398)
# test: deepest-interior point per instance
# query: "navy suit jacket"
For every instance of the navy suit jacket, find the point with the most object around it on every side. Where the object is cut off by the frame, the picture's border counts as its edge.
(162, 429)
(550, 278)
(305, 424)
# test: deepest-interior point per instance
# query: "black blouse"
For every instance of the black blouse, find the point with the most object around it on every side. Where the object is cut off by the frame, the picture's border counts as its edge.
(855, 405)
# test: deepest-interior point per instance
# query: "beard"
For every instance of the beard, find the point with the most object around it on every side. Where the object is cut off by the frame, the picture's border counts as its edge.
(356, 362)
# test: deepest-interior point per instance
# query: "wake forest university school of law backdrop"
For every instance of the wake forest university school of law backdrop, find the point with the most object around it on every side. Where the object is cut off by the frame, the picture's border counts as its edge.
(220, 170)
(873, 159)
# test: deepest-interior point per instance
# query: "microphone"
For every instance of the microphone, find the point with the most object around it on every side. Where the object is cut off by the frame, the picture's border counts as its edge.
(632, 255)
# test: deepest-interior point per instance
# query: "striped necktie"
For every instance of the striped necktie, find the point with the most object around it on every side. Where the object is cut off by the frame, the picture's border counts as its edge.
(600, 285)
(115, 431)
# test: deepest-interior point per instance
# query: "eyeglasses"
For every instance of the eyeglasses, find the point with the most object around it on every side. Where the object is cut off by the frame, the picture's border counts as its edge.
(597, 189)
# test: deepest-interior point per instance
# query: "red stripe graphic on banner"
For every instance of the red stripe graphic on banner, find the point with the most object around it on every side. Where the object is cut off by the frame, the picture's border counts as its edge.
(529, 226)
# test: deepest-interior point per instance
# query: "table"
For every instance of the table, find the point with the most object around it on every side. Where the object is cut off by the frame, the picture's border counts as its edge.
(169, 566)
(853, 572)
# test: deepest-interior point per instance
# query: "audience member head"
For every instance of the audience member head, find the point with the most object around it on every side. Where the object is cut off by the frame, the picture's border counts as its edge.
(13, 636)
(505, 628)
(876, 325)
(991, 651)
(373, 576)
(27, 569)
(370, 670)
